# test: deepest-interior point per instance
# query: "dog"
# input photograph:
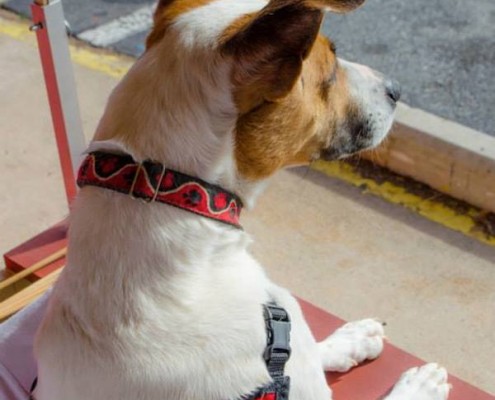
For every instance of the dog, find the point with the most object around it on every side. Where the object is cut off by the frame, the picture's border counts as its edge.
(164, 301)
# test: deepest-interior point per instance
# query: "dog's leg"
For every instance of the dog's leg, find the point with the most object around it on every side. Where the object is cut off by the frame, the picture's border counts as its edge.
(352, 344)
(428, 382)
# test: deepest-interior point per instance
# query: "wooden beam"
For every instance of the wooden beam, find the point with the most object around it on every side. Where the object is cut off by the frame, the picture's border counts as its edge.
(24, 297)
(35, 267)
(449, 157)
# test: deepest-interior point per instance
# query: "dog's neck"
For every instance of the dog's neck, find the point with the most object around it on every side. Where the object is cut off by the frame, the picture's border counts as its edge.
(181, 117)
(130, 247)
(139, 256)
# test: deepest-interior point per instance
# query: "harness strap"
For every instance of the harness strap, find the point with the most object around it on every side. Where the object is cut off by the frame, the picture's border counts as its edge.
(33, 386)
(277, 353)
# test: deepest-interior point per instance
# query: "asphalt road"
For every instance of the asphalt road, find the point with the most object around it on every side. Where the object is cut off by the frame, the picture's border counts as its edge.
(442, 51)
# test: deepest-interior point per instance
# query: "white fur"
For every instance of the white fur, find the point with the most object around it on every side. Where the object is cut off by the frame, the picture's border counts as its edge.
(428, 382)
(157, 303)
(204, 25)
(352, 344)
(368, 90)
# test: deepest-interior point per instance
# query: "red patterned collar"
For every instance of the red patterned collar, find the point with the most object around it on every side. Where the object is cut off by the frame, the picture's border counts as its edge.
(151, 181)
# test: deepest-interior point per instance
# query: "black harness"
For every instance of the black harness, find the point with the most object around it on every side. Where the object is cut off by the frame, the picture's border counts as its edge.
(276, 355)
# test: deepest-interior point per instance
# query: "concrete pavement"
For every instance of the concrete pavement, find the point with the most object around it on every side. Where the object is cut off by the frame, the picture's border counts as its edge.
(354, 255)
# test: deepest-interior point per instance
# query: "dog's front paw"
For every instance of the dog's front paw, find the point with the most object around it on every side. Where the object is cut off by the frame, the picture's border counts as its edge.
(428, 382)
(352, 344)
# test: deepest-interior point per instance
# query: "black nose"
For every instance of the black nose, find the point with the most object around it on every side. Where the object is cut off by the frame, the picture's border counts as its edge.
(392, 88)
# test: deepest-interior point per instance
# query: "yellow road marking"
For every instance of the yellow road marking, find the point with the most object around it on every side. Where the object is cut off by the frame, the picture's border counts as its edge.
(428, 208)
(16, 29)
(117, 65)
(98, 60)
(109, 64)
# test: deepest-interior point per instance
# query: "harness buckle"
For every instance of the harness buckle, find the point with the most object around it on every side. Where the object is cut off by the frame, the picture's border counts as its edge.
(280, 338)
(278, 333)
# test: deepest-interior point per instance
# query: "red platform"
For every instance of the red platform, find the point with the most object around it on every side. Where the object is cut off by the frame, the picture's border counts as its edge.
(37, 249)
(370, 381)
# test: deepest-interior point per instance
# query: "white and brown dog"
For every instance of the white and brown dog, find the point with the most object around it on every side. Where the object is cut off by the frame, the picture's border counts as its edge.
(158, 303)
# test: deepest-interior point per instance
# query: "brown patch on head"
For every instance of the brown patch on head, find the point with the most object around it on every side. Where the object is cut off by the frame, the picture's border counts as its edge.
(293, 130)
(287, 85)
(288, 88)
(166, 12)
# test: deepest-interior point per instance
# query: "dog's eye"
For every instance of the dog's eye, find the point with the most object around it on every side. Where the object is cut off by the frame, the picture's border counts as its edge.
(332, 46)
(333, 75)
(325, 88)
(331, 79)
(326, 85)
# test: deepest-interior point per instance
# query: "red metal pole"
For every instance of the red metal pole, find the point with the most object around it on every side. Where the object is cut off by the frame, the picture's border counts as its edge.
(49, 24)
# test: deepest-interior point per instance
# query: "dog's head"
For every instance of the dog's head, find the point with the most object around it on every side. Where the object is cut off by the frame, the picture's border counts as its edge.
(261, 71)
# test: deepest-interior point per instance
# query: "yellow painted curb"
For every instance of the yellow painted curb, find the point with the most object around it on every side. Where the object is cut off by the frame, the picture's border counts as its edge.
(428, 208)
(16, 29)
(99, 60)
(117, 65)
(109, 64)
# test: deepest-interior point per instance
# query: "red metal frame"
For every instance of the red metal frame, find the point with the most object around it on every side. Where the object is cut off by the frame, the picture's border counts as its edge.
(49, 25)
(58, 120)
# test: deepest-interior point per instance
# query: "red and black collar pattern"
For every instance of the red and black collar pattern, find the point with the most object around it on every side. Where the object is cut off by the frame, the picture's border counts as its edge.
(151, 181)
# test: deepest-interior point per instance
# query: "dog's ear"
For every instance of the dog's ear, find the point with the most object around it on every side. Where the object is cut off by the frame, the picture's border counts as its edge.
(162, 3)
(269, 47)
(159, 23)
